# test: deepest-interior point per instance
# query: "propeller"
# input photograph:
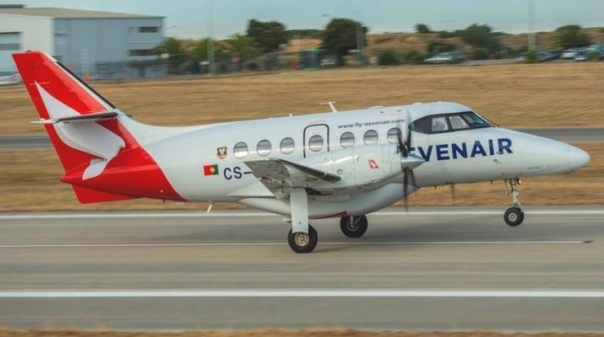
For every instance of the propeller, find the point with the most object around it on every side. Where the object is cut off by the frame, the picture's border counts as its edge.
(405, 149)
(453, 196)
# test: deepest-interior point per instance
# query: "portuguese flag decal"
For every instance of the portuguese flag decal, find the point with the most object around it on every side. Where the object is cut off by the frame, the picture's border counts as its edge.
(210, 170)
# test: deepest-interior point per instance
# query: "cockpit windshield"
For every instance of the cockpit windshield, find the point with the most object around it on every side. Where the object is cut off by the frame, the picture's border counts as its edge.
(449, 122)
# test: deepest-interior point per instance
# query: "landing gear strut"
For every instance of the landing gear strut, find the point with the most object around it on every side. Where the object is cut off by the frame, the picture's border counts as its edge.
(354, 226)
(302, 237)
(513, 216)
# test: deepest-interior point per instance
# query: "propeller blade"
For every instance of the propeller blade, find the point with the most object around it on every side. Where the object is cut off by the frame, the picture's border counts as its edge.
(401, 143)
(406, 187)
(453, 193)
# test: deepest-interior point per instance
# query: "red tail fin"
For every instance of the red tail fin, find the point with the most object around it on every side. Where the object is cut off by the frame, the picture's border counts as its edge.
(49, 85)
(102, 159)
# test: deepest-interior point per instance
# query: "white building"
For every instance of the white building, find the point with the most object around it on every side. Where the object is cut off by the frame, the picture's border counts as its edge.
(90, 43)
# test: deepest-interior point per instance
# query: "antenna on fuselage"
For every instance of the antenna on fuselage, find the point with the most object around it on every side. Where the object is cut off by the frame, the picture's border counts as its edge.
(331, 105)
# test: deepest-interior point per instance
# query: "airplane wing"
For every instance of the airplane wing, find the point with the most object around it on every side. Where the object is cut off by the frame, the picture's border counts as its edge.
(280, 176)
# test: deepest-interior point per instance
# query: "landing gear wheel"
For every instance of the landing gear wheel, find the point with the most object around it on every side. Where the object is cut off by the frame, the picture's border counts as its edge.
(302, 242)
(354, 226)
(513, 216)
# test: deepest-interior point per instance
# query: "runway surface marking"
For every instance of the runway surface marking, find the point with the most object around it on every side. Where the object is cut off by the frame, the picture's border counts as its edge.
(305, 293)
(233, 244)
(102, 215)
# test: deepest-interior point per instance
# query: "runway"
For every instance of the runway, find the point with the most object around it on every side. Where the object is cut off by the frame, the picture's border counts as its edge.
(564, 134)
(431, 269)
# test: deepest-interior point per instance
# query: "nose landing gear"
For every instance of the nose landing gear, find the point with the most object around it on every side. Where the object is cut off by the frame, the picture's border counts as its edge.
(513, 216)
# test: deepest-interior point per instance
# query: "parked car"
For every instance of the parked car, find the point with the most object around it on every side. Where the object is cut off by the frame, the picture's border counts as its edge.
(446, 58)
(582, 55)
(597, 49)
(544, 56)
(570, 53)
(521, 58)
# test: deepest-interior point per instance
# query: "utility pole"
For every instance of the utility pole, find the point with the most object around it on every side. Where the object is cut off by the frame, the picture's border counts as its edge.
(360, 42)
(532, 44)
(211, 65)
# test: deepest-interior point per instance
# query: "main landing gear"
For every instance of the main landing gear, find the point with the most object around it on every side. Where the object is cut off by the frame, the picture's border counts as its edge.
(514, 215)
(302, 237)
(354, 226)
(301, 242)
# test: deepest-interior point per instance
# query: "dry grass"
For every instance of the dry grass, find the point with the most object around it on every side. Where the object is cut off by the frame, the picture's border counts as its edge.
(279, 333)
(562, 94)
(30, 182)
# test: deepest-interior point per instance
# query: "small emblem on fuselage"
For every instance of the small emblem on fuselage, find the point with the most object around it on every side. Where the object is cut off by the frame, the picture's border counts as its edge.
(221, 152)
(373, 164)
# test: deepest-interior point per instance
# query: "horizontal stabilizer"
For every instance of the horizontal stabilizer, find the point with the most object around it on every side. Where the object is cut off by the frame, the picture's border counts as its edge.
(92, 117)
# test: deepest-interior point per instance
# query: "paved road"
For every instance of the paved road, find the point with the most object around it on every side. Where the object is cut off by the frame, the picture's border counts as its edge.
(452, 269)
(10, 141)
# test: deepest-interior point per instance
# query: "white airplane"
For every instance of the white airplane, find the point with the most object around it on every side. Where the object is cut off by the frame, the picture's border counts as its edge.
(337, 164)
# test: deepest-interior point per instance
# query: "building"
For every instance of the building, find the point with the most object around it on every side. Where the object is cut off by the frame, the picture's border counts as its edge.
(90, 43)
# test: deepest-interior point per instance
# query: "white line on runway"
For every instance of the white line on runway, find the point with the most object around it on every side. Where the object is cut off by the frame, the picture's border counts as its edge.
(234, 244)
(236, 214)
(304, 293)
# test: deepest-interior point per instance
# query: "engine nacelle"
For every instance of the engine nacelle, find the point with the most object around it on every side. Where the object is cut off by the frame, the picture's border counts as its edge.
(362, 167)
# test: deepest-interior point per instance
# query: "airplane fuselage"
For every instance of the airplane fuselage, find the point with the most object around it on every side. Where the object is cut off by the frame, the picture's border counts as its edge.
(208, 163)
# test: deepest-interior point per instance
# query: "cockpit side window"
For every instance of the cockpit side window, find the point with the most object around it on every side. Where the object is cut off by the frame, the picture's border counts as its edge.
(439, 124)
(422, 125)
(457, 122)
(449, 123)
(474, 120)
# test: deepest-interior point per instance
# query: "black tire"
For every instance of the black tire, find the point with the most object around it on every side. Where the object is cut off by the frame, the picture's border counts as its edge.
(302, 242)
(513, 216)
(355, 226)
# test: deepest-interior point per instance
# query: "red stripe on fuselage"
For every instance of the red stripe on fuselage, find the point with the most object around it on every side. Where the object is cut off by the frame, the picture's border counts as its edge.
(132, 172)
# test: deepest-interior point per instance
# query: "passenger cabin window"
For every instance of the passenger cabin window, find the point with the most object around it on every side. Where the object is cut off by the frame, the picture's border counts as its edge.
(263, 148)
(315, 143)
(449, 123)
(287, 145)
(394, 135)
(370, 137)
(240, 150)
(347, 140)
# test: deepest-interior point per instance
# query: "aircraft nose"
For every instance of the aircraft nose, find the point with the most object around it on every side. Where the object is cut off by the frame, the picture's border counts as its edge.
(577, 158)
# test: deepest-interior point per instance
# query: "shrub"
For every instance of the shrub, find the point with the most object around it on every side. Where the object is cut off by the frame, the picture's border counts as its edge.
(532, 56)
(388, 57)
(414, 57)
(480, 54)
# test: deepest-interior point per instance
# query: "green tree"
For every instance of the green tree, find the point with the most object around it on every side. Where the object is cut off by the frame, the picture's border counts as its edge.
(422, 28)
(174, 50)
(242, 44)
(436, 47)
(481, 36)
(340, 37)
(571, 36)
(267, 36)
